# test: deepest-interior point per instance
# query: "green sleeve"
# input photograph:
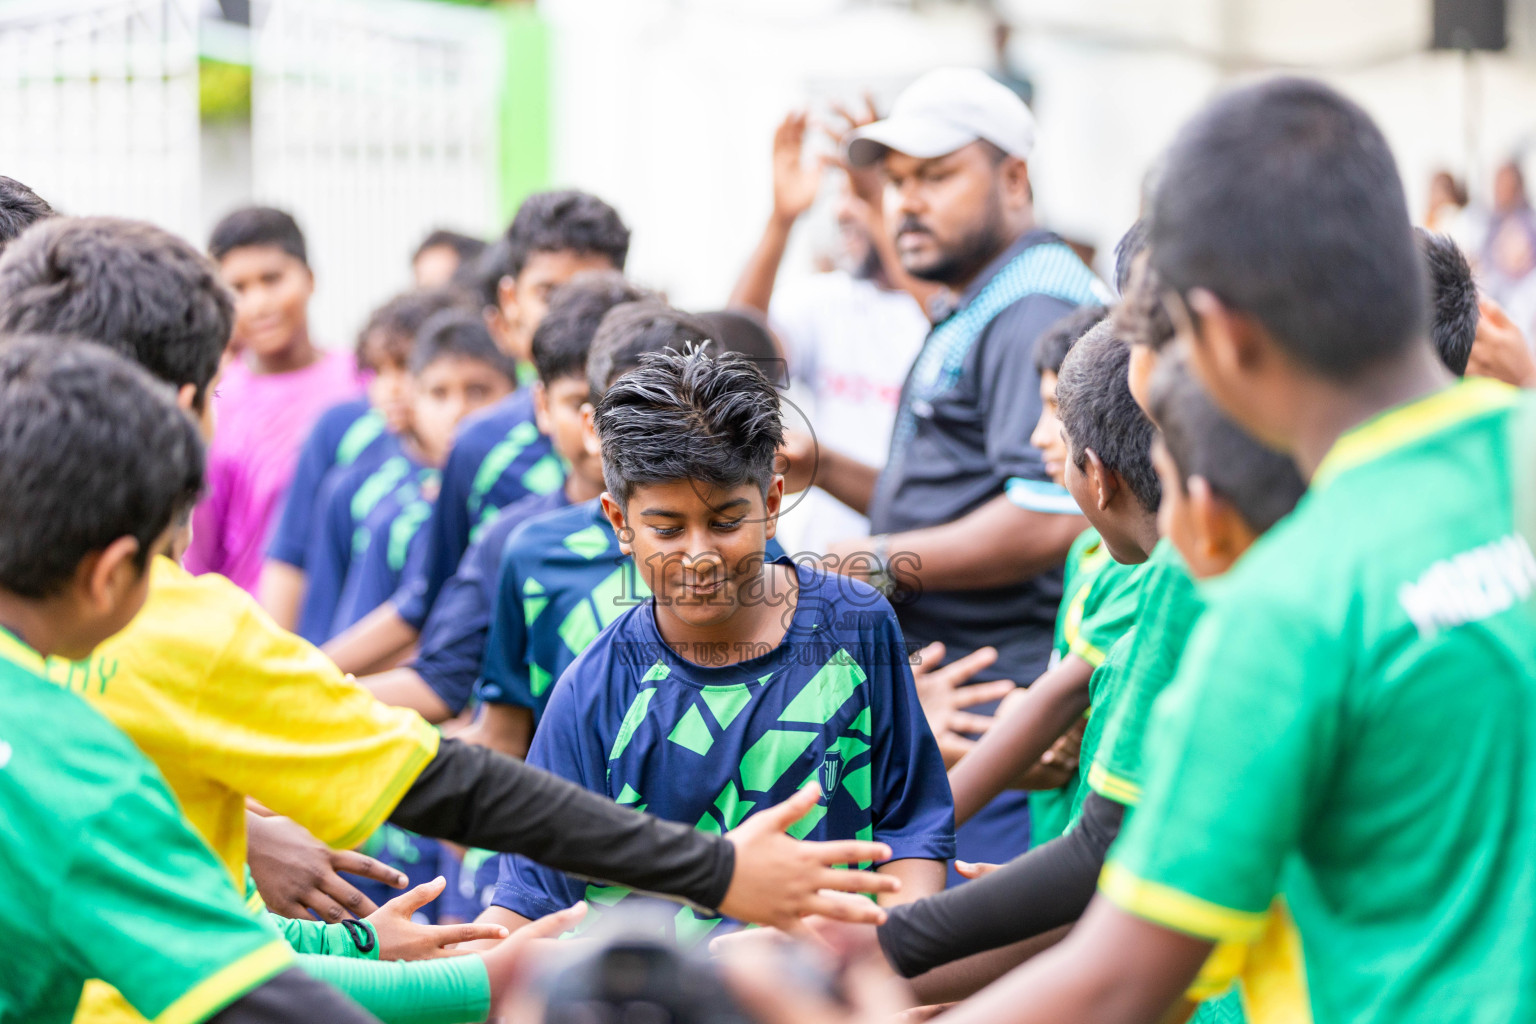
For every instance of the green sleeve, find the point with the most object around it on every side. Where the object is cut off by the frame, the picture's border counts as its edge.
(1165, 619)
(1239, 745)
(451, 990)
(146, 907)
(1108, 609)
(354, 939)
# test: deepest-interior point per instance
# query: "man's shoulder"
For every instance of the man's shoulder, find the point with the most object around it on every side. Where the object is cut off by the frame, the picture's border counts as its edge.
(1022, 320)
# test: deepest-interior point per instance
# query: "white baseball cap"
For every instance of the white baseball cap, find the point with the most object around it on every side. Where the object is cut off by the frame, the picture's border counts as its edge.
(943, 111)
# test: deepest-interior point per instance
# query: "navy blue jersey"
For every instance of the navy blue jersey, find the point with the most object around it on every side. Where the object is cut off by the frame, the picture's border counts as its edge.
(832, 703)
(348, 495)
(498, 457)
(385, 543)
(343, 435)
(452, 644)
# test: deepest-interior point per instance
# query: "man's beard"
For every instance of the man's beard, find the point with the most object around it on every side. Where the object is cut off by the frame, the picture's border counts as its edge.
(959, 264)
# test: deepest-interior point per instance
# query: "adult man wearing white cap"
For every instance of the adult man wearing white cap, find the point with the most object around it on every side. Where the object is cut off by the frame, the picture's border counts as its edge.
(964, 517)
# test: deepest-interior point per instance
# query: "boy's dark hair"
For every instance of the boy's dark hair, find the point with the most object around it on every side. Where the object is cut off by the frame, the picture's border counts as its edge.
(565, 221)
(1132, 244)
(1260, 483)
(563, 339)
(745, 332)
(399, 320)
(1453, 322)
(485, 274)
(133, 287)
(1098, 412)
(92, 448)
(20, 208)
(459, 334)
(1283, 200)
(466, 247)
(258, 225)
(633, 329)
(1057, 340)
(689, 416)
(1141, 318)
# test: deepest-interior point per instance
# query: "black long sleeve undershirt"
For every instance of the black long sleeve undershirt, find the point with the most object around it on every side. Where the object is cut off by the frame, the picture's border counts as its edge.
(477, 797)
(1045, 888)
(293, 997)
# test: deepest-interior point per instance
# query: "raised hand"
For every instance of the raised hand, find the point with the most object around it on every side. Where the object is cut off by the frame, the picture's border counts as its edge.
(795, 182)
(401, 938)
(1499, 348)
(778, 879)
(510, 963)
(944, 697)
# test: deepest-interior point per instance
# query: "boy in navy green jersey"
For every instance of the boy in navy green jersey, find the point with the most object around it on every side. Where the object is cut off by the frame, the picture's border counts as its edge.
(741, 680)
(499, 456)
(1298, 795)
(440, 681)
(105, 878)
(302, 579)
(456, 369)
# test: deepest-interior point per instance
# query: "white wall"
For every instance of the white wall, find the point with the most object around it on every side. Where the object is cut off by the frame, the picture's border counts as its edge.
(667, 108)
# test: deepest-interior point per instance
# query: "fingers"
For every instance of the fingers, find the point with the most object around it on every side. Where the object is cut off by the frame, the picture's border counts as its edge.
(444, 935)
(418, 897)
(780, 816)
(849, 851)
(348, 895)
(969, 870)
(324, 907)
(842, 881)
(961, 669)
(354, 863)
(969, 724)
(928, 656)
(554, 925)
(983, 693)
(845, 910)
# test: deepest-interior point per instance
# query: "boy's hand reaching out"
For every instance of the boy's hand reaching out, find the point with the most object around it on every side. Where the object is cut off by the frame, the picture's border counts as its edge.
(297, 874)
(944, 697)
(401, 938)
(778, 879)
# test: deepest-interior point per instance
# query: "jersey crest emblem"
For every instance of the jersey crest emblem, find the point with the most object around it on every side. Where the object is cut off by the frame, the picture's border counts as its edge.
(831, 774)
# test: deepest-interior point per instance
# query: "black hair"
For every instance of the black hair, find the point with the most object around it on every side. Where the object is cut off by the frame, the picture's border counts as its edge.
(1283, 200)
(1453, 323)
(1260, 483)
(466, 247)
(459, 334)
(92, 448)
(565, 221)
(745, 332)
(399, 319)
(632, 329)
(1131, 245)
(133, 287)
(258, 225)
(1057, 340)
(20, 208)
(1098, 412)
(484, 275)
(1141, 318)
(689, 416)
(563, 338)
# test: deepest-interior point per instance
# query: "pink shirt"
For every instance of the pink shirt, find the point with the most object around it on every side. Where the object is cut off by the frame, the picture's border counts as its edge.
(262, 420)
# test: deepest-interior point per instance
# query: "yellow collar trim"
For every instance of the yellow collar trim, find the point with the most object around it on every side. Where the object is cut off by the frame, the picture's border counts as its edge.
(19, 654)
(1405, 424)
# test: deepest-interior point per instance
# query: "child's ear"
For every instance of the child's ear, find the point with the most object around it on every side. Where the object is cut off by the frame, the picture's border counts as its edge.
(1223, 533)
(589, 431)
(108, 575)
(186, 396)
(541, 408)
(773, 500)
(615, 516)
(1102, 482)
(506, 300)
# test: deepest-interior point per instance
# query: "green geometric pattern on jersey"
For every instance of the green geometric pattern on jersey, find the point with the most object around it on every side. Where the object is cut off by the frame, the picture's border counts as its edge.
(541, 478)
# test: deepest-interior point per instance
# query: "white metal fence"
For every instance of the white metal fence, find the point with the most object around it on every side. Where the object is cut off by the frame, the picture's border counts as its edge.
(98, 106)
(374, 121)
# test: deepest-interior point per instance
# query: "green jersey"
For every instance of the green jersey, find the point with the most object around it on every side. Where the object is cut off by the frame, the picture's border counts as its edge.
(1098, 604)
(104, 877)
(1343, 772)
(1165, 616)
